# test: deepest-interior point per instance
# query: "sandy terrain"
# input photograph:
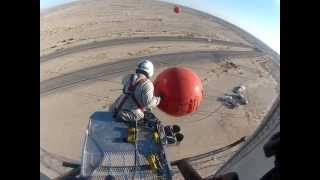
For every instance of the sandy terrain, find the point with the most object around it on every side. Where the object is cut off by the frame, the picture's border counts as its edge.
(78, 80)
(87, 21)
(80, 60)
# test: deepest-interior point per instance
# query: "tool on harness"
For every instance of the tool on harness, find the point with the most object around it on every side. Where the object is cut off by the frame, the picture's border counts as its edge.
(132, 87)
(132, 135)
(156, 137)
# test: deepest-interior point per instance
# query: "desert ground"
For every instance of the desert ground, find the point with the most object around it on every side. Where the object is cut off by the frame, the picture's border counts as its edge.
(88, 46)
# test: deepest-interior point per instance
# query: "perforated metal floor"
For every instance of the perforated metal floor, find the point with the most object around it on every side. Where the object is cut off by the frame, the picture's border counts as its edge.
(106, 154)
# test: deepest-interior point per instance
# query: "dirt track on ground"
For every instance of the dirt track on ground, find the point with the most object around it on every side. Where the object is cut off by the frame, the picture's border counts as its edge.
(135, 40)
(122, 67)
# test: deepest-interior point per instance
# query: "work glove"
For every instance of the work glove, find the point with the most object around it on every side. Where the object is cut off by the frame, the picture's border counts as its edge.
(162, 97)
(148, 109)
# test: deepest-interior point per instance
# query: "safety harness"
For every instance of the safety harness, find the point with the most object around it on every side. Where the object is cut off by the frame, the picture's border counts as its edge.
(131, 89)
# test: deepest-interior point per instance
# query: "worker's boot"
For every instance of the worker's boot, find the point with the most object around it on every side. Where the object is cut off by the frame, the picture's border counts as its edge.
(126, 116)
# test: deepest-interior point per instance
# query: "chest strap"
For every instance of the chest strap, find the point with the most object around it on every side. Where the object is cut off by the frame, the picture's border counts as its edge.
(132, 87)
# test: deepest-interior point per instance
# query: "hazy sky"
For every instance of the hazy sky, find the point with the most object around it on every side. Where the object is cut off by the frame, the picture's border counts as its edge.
(261, 18)
(50, 3)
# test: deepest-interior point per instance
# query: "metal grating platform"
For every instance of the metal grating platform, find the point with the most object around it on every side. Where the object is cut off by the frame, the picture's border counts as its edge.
(105, 153)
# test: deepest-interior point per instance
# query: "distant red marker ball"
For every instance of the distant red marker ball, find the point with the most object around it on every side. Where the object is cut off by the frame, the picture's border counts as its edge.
(177, 9)
(182, 90)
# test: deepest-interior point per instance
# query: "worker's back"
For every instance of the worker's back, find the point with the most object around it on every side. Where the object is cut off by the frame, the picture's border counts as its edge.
(143, 92)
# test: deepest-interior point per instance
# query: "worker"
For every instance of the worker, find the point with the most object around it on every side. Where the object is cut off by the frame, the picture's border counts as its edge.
(138, 94)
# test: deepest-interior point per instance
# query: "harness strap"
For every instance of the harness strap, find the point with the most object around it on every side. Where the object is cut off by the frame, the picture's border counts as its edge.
(132, 87)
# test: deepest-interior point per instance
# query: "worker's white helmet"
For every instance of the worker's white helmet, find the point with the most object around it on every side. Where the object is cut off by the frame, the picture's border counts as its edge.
(146, 66)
